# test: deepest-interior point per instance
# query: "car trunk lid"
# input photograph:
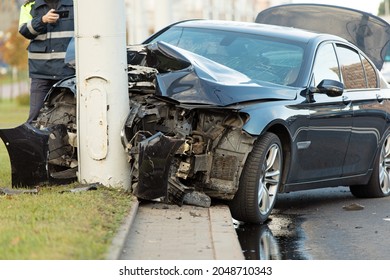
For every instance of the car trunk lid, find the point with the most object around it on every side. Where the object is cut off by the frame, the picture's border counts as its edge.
(370, 33)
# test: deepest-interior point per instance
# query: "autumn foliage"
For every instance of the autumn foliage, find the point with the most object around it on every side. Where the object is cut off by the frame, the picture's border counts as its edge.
(14, 47)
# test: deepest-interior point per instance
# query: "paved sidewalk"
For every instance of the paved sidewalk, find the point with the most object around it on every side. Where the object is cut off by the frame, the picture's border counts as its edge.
(160, 231)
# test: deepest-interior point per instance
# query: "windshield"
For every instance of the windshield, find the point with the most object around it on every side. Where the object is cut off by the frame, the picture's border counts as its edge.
(258, 57)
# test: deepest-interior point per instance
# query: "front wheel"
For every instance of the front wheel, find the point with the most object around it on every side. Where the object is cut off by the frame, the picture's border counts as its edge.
(379, 184)
(260, 180)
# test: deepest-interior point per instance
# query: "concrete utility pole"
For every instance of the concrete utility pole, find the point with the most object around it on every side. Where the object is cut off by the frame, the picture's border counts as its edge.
(102, 91)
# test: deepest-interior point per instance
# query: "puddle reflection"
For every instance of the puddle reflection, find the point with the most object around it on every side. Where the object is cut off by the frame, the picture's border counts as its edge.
(279, 239)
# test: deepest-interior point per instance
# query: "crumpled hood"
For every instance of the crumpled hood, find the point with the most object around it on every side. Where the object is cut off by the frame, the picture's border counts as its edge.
(189, 78)
(370, 33)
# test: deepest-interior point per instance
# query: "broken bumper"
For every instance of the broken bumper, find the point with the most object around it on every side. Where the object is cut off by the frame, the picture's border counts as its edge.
(28, 152)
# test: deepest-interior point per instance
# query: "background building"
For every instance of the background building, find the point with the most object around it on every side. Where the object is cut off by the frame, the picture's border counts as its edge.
(145, 17)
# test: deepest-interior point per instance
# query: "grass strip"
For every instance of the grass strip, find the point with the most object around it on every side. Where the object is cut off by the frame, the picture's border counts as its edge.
(55, 224)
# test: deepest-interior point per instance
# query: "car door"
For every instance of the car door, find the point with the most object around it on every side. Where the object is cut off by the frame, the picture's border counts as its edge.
(330, 123)
(368, 102)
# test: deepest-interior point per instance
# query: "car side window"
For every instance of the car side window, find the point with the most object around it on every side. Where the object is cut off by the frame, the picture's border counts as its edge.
(351, 68)
(372, 80)
(326, 65)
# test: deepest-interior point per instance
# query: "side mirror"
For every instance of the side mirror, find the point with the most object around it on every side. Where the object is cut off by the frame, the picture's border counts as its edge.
(331, 88)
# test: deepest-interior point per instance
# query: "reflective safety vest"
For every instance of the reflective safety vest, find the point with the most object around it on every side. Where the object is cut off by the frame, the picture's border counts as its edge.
(48, 42)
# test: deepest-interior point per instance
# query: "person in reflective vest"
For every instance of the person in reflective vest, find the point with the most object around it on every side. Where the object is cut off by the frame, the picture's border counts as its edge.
(49, 25)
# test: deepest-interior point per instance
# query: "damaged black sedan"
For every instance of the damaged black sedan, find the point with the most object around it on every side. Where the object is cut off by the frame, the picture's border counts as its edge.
(232, 111)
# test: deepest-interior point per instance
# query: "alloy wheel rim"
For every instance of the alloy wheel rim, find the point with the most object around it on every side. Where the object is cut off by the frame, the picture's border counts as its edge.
(268, 246)
(269, 182)
(384, 167)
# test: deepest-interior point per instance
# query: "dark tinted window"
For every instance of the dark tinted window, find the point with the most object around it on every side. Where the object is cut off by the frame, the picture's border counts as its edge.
(260, 58)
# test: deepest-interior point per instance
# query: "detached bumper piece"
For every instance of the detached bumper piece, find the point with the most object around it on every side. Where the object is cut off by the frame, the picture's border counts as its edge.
(156, 154)
(155, 157)
(36, 155)
(28, 151)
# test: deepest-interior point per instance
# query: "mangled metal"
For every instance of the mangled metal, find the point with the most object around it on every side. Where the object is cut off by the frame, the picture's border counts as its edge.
(182, 146)
(181, 151)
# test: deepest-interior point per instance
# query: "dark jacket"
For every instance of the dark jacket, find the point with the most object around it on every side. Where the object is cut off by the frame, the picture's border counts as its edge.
(47, 48)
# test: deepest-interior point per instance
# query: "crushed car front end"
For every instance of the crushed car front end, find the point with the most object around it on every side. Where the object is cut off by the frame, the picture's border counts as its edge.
(175, 150)
(183, 144)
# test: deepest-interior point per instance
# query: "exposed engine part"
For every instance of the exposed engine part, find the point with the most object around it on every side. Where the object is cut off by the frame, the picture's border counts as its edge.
(207, 157)
(58, 116)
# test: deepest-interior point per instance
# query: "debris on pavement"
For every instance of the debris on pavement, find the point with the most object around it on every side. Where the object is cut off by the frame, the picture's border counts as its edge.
(353, 207)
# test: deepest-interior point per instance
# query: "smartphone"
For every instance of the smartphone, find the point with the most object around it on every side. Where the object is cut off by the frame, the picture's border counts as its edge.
(62, 13)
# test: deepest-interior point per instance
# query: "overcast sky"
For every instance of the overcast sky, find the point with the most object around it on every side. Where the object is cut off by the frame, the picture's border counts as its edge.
(370, 6)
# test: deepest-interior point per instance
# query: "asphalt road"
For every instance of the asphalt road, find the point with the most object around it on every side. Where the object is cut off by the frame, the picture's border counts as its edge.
(331, 224)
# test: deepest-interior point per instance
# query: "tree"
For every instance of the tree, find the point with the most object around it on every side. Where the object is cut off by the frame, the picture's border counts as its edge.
(14, 53)
(382, 8)
(13, 50)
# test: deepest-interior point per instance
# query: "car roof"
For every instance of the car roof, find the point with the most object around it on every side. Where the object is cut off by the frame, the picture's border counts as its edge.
(287, 33)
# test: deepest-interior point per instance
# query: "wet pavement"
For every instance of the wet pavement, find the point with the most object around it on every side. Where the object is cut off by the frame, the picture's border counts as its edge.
(280, 238)
(307, 225)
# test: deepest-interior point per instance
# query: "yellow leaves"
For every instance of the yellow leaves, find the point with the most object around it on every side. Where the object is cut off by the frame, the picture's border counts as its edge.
(14, 50)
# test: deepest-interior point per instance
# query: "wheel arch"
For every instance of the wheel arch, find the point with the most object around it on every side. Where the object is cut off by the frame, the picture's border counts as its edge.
(375, 187)
(285, 138)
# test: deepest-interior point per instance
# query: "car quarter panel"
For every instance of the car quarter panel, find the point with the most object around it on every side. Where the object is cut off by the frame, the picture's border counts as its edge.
(371, 110)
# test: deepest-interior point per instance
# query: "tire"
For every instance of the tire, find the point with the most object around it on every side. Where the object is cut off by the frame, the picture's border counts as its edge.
(259, 182)
(379, 184)
(258, 242)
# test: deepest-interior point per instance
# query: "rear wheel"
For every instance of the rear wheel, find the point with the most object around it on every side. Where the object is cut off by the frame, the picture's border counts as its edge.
(259, 181)
(379, 184)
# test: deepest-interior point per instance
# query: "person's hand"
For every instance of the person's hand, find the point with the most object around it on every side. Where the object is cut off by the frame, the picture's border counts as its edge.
(50, 17)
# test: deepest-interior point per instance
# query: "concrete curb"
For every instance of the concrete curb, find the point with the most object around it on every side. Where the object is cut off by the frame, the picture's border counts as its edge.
(117, 243)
